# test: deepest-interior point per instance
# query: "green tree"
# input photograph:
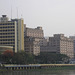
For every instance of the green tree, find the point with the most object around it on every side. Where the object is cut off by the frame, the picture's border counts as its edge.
(23, 58)
(47, 58)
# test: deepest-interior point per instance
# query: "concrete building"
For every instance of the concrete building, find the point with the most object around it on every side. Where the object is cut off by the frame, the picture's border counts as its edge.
(48, 49)
(12, 33)
(59, 44)
(73, 38)
(33, 39)
(63, 44)
(36, 32)
(32, 45)
(43, 42)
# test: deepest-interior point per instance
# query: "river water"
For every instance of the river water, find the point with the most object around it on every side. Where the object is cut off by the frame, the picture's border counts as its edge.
(49, 72)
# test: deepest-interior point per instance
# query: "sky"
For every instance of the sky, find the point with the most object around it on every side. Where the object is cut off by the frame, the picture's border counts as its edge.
(54, 16)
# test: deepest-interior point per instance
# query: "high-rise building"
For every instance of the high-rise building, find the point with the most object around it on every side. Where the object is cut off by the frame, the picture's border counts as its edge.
(12, 33)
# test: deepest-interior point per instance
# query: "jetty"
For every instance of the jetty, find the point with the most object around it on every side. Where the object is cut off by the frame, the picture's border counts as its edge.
(36, 66)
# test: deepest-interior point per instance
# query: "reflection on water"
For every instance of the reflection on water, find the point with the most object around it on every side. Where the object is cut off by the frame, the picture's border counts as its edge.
(52, 72)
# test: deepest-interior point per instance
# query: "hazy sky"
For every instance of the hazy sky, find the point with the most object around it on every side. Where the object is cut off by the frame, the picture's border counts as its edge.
(55, 16)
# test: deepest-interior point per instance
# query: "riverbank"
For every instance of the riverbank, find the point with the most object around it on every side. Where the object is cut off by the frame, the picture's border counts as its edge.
(39, 72)
(53, 68)
(43, 68)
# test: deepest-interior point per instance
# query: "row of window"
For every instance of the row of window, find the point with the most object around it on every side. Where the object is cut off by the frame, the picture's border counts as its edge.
(6, 36)
(6, 30)
(8, 43)
(7, 39)
(7, 24)
(8, 27)
(6, 33)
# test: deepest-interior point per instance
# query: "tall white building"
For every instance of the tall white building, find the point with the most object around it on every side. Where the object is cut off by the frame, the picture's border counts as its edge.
(12, 33)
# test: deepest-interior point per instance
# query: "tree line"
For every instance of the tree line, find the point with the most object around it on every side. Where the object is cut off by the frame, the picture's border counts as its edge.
(9, 57)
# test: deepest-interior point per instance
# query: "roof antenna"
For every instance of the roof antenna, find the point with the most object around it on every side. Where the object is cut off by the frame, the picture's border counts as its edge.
(11, 11)
(21, 15)
(17, 12)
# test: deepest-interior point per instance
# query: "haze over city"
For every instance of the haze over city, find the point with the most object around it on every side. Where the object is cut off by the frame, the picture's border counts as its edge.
(55, 16)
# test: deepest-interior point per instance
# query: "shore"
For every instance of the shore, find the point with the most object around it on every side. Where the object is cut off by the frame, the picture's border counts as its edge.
(38, 67)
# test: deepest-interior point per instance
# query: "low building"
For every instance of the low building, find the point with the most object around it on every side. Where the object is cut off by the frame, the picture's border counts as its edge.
(4, 48)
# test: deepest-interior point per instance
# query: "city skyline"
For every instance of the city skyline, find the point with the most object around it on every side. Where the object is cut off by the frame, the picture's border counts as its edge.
(55, 16)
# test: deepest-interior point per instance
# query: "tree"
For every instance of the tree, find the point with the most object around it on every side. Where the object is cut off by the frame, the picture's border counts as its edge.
(7, 56)
(23, 58)
(47, 58)
(8, 53)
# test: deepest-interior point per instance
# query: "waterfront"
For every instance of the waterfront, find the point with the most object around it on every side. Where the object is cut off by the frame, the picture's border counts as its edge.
(40, 72)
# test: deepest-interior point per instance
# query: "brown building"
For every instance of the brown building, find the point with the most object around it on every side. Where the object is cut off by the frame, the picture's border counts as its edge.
(32, 45)
(33, 39)
(36, 32)
(60, 44)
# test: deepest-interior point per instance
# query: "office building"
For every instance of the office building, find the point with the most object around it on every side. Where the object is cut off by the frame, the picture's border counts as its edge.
(12, 33)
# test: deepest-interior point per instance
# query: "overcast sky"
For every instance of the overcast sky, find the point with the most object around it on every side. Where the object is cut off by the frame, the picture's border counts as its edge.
(55, 16)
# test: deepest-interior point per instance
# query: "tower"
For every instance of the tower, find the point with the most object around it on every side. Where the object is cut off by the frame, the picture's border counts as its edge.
(12, 33)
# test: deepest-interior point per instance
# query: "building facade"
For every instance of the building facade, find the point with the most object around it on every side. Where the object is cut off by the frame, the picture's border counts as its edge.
(62, 45)
(73, 38)
(36, 32)
(32, 45)
(59, 44)
(33, 39)
(12, 33)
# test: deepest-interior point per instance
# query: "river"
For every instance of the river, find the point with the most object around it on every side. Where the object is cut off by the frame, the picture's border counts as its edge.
(41, 72)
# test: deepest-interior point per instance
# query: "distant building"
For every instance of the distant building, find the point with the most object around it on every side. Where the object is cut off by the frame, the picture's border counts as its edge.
(63, 44)
(12, 33)
(32, 45)
(43, 42)
(73, 38)
(36, 32)
(48, 49)
(33, 39)
(59, 44)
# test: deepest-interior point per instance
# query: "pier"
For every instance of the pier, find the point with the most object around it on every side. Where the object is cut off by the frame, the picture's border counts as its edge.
(36, 66)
